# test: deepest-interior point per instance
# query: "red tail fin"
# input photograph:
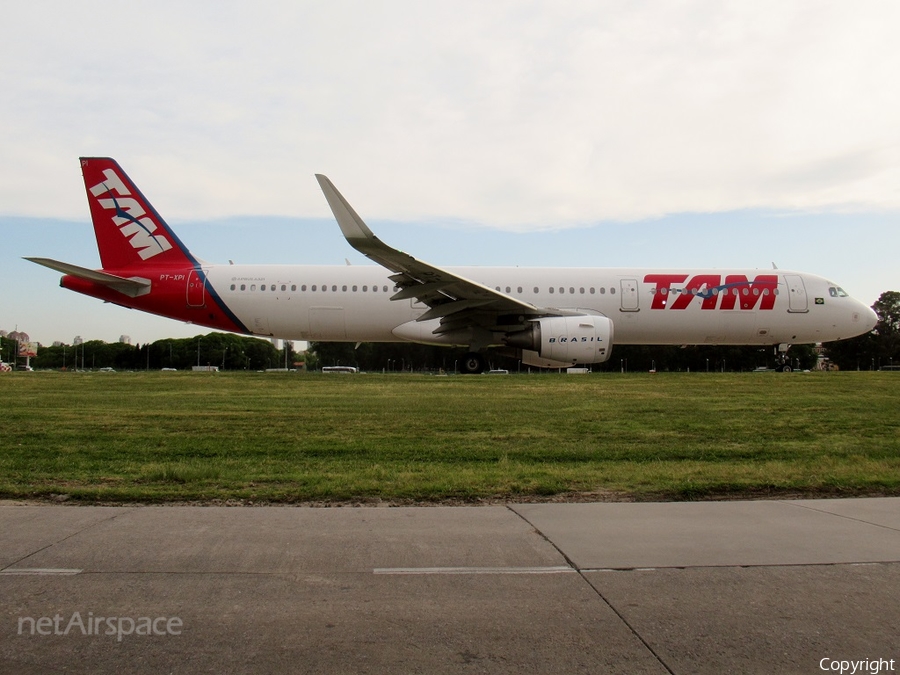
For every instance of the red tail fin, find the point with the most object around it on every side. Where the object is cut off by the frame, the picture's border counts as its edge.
(129, 231)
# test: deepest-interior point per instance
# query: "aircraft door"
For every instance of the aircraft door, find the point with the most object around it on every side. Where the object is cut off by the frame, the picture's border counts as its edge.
(630, 300)
(196, 289)
(327, 323)
(797, 300)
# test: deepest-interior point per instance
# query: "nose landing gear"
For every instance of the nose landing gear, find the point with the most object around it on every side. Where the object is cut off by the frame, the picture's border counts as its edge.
(784, 361)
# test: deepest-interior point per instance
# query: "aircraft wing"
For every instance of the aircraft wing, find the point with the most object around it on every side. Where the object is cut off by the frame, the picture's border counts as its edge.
(458, 302)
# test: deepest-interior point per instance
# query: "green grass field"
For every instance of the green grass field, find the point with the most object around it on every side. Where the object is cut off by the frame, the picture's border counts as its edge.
(153, 437)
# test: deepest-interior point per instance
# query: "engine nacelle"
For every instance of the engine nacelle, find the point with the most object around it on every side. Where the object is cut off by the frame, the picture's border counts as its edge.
(567, 339)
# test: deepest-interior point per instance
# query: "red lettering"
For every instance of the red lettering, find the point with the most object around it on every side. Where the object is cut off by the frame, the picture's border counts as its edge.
(750, 292)
(662, 281)
(695, 284)
(761, 291)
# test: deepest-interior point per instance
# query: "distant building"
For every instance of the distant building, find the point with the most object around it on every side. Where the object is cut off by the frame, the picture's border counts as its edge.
(57, 343)
(125, 339)
(78, 340)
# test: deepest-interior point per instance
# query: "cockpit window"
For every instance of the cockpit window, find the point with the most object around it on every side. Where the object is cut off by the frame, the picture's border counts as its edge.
(837, 292)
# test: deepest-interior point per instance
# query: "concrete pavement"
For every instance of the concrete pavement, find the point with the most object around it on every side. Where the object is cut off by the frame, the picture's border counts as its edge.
(762, 586)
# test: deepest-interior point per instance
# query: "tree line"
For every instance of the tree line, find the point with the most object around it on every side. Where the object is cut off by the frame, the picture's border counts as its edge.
(402, 357)
(225, 350)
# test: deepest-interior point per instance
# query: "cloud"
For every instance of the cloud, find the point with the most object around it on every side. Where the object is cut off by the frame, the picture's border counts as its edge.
(513, 115)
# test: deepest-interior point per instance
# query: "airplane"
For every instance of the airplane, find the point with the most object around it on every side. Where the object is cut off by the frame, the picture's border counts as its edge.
(547, 317)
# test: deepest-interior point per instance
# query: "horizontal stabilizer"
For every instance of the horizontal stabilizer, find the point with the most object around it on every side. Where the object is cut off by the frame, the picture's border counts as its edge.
(132, 287)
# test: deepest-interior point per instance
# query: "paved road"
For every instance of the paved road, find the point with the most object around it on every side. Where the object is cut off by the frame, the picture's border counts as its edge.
(751, 587)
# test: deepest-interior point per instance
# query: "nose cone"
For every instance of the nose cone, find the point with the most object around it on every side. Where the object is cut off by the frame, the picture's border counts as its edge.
(862, 319)
(869, 318)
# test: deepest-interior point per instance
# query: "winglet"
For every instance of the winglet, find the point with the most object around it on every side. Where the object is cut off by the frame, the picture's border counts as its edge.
(358, 234)
(351, 224)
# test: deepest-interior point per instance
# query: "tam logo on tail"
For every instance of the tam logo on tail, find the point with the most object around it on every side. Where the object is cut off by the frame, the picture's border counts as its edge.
(128, 216)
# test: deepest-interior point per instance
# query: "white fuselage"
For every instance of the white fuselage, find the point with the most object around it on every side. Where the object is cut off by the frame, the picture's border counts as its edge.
(352, 303)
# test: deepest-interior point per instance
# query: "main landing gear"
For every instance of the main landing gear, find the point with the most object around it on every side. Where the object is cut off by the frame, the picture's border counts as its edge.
(472, 364)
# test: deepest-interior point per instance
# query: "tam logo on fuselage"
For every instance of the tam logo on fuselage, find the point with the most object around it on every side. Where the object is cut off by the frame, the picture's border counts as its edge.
(127, 216)
(710, 288)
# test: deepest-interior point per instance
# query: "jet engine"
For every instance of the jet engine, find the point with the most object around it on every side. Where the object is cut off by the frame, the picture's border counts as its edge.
(567, 339)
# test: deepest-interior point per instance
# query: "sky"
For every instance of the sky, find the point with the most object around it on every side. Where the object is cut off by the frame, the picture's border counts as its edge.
(607, 134)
